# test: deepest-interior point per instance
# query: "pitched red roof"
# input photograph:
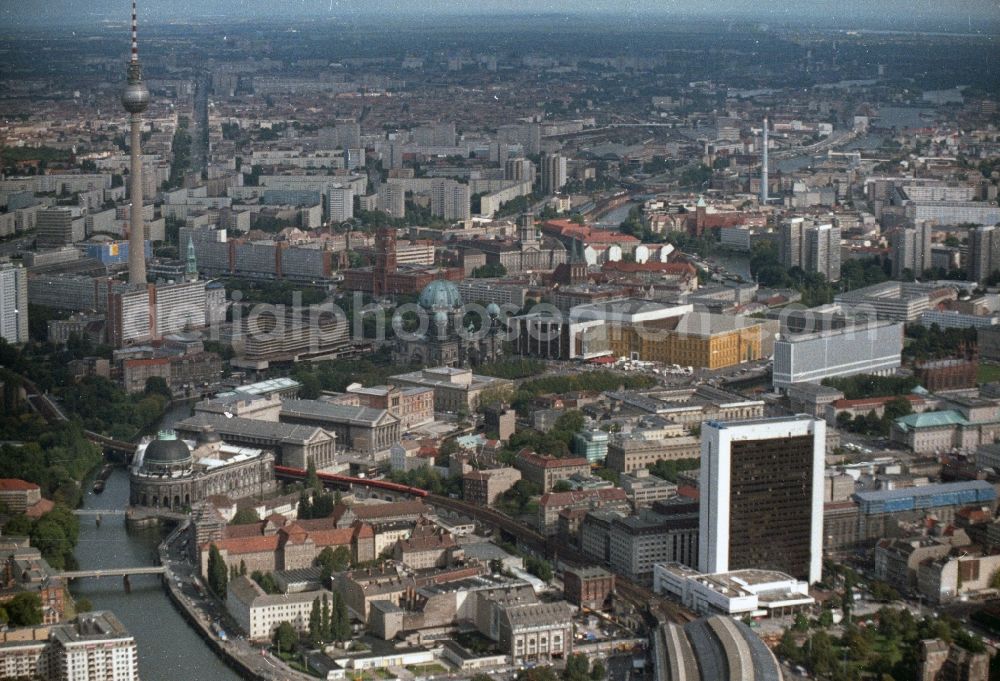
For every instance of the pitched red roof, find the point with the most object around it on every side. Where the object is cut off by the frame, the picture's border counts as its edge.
(875, 401)
(570, 229)
(16, 485)
(688, 491)
(39, 508)
(244, 545)
(379, 511)
(338, 537)
(236, 531)
(529, 457)
(678, 268)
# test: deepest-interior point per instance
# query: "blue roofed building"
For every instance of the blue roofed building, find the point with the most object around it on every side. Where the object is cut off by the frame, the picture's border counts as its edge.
(869, 516)
(927, 497)
(881, 511)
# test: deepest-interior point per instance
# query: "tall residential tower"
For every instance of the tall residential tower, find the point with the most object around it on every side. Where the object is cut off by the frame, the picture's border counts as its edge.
(135, 99)
(13, 303)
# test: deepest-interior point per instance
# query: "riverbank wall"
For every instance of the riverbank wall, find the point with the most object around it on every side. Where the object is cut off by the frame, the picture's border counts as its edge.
(203, 630)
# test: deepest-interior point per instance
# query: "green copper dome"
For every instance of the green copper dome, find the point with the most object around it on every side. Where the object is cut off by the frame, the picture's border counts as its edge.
(439, 295)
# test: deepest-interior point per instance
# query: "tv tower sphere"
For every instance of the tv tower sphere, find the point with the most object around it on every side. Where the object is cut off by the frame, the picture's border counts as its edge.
(135, 97)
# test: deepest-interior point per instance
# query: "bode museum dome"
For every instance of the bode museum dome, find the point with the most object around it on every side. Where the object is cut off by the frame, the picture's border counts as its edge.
(168, 472)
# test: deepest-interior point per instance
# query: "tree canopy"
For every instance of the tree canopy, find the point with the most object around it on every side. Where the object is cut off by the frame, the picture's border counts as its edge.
(245, 516)
(218, 575)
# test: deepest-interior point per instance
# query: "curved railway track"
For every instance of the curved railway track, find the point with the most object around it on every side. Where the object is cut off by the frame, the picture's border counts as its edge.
(51, 412)
(642, 597)
(658, 608)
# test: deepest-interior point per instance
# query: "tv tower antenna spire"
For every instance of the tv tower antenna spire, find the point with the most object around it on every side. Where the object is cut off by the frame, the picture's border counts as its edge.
(135, 99)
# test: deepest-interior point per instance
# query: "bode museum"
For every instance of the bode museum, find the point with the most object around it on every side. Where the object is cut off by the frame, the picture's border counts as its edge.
(172, 473)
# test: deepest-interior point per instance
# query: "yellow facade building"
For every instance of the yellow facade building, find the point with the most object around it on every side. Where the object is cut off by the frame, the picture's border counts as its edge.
(696, 339)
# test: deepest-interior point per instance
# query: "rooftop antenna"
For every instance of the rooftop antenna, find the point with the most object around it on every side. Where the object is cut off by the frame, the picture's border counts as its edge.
(135, 33)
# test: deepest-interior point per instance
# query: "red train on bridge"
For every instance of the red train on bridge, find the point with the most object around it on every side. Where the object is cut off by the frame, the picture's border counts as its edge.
(300, 474)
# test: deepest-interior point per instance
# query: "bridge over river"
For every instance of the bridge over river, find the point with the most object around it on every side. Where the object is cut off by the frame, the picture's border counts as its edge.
(115, 572)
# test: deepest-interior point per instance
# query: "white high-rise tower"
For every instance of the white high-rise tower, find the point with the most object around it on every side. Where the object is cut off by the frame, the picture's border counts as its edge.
(761, 503)
(135, 99)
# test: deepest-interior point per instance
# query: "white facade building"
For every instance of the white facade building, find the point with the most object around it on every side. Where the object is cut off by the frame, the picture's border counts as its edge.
(259, 614)
(743, 592)
(952, 319)
(339, 204)
(13, 303)
(96, 647)
(179, 307)
(450, 200)
(809, 358)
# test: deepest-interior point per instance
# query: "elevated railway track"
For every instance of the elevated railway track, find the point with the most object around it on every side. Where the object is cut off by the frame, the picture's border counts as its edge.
(657, 608)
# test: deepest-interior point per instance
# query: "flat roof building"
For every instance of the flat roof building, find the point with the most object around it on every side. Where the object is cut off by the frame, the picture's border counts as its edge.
(741, 592)
(13, 304)
(454, 389)
(809, 358)
(96, 642)
(891, 300)
(258, 614)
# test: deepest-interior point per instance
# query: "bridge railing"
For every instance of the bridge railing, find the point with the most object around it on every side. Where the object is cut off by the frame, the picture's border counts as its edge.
(114, 572)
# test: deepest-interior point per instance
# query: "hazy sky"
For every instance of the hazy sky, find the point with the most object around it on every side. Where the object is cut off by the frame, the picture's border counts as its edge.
(843, 11)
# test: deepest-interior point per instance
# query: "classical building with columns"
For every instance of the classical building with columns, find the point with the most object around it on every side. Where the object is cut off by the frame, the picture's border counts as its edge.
(294, 445)
(360, 429)
(172, 473)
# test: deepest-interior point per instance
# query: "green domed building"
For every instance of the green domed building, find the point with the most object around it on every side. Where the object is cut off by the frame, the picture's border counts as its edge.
(441, 339)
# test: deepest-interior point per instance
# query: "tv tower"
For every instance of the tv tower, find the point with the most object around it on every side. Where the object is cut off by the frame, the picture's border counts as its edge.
(135, 99)
(763, 168)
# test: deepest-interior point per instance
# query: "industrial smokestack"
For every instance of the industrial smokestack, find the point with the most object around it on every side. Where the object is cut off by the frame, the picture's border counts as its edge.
(763, 168)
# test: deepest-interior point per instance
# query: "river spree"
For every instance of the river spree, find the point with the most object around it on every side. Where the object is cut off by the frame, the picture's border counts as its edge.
(169, 650)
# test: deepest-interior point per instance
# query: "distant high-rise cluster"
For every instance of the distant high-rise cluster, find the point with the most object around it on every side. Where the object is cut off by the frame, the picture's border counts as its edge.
(553, 173)
(984, 252)
(814, 248)
(450, 200)
(392, 199)
(340, 204)
(911, 250)
(519, 169)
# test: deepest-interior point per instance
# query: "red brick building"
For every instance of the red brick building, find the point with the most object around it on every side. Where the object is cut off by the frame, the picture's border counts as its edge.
(281, 544)
(387, 277)
(588, 587)
(705, 218)
(546, 471)
(17, 495)
(947, 374)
